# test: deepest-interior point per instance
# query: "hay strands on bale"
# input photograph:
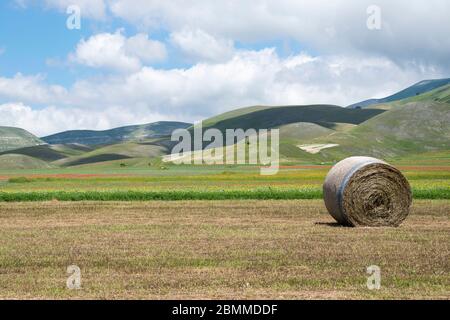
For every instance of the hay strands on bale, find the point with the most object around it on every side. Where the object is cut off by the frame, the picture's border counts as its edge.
(364, 191)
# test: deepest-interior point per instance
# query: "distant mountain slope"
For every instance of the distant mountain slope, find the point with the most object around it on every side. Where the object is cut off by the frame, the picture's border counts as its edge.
(441, 94)
(14, 138)
(303, 131)
(42, 152)
(128, 133)
(20, 161)
(50, 153)
(113, 152)
(296, 123)
(416, 124)
(414, 90)
(318, 134)
(232, 114)
(71, 149)
(410, 126)
(272, 117)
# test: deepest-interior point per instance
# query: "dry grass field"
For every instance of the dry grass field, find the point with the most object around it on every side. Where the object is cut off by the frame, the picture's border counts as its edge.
(219, 249)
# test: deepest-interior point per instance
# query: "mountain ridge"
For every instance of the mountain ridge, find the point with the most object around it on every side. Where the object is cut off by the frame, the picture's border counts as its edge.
(311, 133)
(116, 135)
(14, 138)
(416, 89)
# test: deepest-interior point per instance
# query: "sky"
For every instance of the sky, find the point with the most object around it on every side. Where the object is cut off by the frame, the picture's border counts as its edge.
(140, 61)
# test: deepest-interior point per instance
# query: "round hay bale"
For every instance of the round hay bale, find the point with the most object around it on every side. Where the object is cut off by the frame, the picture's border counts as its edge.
(364, 191)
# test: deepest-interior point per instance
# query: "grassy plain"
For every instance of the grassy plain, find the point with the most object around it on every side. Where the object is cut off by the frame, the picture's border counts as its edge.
(193, 183)
(220, 249)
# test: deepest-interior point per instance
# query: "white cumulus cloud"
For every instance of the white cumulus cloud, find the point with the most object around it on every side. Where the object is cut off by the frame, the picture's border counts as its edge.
(30, 89)
(333, 27)
(203, 90)
(42, 122)
(115, 51)
(199, 45)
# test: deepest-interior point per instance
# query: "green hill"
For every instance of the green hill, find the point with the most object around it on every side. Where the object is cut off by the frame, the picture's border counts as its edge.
(15, 138)
(441, 94)
(71, 148)
(20, 161)
(412, 91)
(303, 131)
(42, 152)
(233, 114)
(50, 153)
(411, 126)
(121, 134)
(401, 129)
(272, 117)
(297, 124)
(126, 150)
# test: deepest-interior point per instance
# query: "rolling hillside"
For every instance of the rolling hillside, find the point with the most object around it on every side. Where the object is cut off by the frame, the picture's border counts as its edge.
(411, 126)
(233, 114)
(272, 117)
(441, 94)
(415, 125)
(50, 153)
(15, 138)
(415, 90)
(121, 151)
(42, 152)
(20, 161)
(128, 133)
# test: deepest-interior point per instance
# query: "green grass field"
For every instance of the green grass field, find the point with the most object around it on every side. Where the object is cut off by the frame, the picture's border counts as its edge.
(191, 183)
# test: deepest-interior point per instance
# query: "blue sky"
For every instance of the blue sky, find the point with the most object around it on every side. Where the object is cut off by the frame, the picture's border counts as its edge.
(139, 61)
(31, 37)
(35, 36)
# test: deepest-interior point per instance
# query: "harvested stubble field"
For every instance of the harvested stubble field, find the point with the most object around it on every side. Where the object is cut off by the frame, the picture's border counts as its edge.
(219, 249)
